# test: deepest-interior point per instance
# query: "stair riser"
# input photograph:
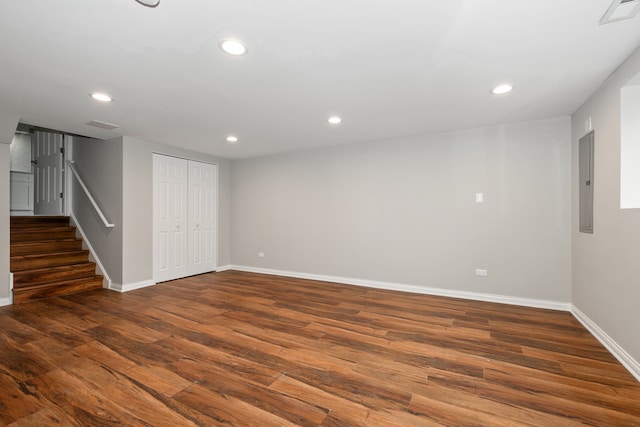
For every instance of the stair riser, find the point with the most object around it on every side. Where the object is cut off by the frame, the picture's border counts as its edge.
(38, 221)
(45, 247)
(34, 236)
(48, 261)
(30, 277)
(55, 290)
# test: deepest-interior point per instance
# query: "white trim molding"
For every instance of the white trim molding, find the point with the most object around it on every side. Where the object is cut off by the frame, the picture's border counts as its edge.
(476, 296)
(106, 282)
(224, 268)
(632, 365)
(131, 286)
(10, 298)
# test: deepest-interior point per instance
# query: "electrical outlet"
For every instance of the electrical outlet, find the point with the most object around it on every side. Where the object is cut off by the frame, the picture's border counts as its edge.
(479, 198)
(261, 254)
(481, 272)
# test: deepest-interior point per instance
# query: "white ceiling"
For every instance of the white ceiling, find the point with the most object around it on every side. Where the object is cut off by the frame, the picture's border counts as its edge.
(390, 68)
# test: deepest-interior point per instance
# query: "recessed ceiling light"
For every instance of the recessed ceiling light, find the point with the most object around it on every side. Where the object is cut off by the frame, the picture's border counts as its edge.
(232, 139)
(334, 120)
(233, 47)
(501, 89)
(619, 10)
(149, 3)
(102, 97)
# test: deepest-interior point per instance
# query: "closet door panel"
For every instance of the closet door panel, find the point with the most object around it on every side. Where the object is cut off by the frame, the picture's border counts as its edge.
(202, 208)
(170, 217)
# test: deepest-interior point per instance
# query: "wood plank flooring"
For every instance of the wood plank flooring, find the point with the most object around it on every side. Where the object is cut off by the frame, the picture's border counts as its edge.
(242, 349)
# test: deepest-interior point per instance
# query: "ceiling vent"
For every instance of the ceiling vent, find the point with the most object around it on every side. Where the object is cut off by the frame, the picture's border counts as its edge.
(619, 10)
(102, 125)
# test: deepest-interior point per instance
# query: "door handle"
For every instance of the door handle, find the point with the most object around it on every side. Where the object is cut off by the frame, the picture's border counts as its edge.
(34, 162)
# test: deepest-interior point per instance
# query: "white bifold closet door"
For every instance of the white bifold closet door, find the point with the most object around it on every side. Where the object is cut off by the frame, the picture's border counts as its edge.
(184, 215)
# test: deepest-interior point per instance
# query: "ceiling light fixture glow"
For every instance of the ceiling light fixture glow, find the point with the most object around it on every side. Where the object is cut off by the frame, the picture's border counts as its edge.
(620, 10)
(502, 89)
(233, 47)
(232, 139)
(334, 120)
(102, 97)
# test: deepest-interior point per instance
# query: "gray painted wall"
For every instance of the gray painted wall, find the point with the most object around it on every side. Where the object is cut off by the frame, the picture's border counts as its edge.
(404, 211)
(606, 271)
(99, 164)
(5, 160)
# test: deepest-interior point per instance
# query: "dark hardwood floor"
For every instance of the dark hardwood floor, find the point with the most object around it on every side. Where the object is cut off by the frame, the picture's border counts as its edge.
(244, 349)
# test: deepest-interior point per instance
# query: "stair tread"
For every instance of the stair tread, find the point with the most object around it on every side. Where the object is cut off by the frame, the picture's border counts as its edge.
(43, 291)
(48, 254)
(42, 227)
(69, 266)
(36, 247)
(20, 269)
(54, 274)
(48, 283)
(35, 242)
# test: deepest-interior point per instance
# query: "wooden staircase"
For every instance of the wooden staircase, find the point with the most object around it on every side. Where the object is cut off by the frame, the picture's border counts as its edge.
(47, 259)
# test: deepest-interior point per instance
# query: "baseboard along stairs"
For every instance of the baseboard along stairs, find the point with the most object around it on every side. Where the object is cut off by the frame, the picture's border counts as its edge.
(47, 259)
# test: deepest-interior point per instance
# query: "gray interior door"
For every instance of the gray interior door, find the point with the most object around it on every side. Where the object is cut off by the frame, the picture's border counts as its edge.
(48, 172)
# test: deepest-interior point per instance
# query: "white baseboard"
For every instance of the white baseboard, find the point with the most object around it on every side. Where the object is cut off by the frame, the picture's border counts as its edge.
(131, 286)
(476, 296)
(632, 365)
(224, 268)
(106, 282)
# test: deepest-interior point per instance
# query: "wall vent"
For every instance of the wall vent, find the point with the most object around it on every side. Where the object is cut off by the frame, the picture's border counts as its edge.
(102, 125)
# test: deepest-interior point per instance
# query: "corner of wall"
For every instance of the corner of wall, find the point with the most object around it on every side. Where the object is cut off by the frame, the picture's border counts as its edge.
(632, 365)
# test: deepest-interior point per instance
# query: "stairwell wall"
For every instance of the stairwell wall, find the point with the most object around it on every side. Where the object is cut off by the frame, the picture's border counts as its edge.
(99, 163)
(5, 291)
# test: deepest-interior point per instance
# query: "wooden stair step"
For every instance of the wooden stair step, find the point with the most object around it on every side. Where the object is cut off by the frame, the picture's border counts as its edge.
(48, 246)
(55, 289)
(38, 221)
(42, 234)
(30, 277)
(25, 262)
